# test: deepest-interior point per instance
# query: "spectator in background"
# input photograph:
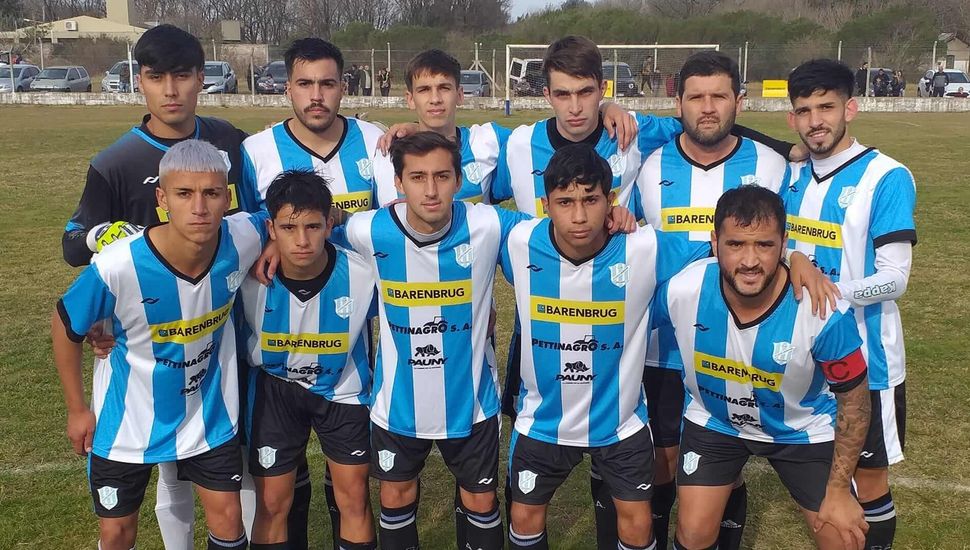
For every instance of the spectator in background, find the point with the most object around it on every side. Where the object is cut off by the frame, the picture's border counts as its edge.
(124, 78)
(354, 81)
(940, 81)
(366, 81)
(960, 93)
(860, 79)
(880, 84)
(898, 84)
(384, 81)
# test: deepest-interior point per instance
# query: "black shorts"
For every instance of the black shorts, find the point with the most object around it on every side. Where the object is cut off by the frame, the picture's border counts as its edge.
(118, 488)
(665, 404)
(537, 468)
(711, 458)
(473, 460)
(887, 428)
(283, 414)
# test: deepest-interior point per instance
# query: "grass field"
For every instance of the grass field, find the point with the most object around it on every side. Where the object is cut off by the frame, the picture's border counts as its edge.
(44, 501)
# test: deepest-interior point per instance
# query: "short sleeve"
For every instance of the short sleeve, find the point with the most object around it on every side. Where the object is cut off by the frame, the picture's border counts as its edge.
(654, 131)
(891, 217)
(509, 219)
(502, 135)
(674, 253)
(838, 350)
(86, 302)
(501, 188)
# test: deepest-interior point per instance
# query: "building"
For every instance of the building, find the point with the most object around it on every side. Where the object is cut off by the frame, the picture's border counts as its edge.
(118, 25)
(957, 51)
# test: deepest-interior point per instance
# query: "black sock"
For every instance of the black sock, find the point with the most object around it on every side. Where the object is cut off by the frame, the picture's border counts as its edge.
(732, 523)
(679, 546)
(215, 543)
(270, 546)
(299, 516)
(399, 527)
(528, 542)
(483, 530)
(346, 545)
(660, 505)
(604, 512)
(508, 502)
(332, 508)
(460, 523)
(881, 517)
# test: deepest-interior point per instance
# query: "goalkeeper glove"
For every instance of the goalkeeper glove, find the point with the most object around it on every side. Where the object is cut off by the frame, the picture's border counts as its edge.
(106, 233)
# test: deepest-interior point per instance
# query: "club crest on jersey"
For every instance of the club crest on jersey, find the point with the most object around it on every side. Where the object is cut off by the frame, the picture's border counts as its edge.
(690, 462)
(235, 279)
(846, 196)
(108, 497)
(464, 254)
(750, 179)
(617, 164)
(385, 459)
(225, 158)
(527, 481)
(620, 274)
(366, 168)
(343, 306)
(473, 172)
(267, 456)
(782, 352)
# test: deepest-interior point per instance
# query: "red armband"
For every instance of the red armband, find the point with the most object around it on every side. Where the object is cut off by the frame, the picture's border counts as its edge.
(844, 370)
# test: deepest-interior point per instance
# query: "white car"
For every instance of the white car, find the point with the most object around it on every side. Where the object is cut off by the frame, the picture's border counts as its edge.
(958, 79)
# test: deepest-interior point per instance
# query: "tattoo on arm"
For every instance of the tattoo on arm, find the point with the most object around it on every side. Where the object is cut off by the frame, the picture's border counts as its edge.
(851, 427)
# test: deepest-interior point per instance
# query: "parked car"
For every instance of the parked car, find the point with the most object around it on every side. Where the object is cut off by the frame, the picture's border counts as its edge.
(71, 78)
(23, 75)
(626, 85)
(958, 79)
(526, 77)
(219, 78)
(109, 84)
(475, 84)
(273, 79)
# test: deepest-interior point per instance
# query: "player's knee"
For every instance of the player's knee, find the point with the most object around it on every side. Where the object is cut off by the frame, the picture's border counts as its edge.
(634, 523)
(273, 505)
(478, 502)
(528, 520)
(871, 483)
(118, 533)
(399, 494)
(693, 533)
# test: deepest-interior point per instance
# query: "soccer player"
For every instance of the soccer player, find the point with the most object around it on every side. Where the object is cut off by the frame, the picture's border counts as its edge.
(765, 377)
(169, 391)
(119, 198)
(676, 191)
(583, 298)
(317, 138)
(850, 208)
(306, 332)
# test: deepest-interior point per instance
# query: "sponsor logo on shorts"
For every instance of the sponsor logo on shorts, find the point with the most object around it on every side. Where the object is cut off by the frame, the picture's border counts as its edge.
(343, 306)
(306, 342)
(236, 477)
(644, 486)
(690, 462)
(527, 481)
(735, 371)
(108, 497)
(464, 255)
(866, 454)
(385, 459)
(190, 330)
(815, 232)
(267, 456)
(846, 196)
(485, 480)
(444, 293)
(687, 218)
(619, 274)
(782, 352)
(358, 452)
(574, 312)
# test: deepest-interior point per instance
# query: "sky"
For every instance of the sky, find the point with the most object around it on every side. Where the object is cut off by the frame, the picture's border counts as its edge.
(522, 7)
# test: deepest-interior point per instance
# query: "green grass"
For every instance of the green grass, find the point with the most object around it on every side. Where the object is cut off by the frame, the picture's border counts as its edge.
(44, 500)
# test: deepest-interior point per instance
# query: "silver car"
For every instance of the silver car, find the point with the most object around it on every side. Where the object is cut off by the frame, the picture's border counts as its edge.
(72, 78)
(109, 84)
(475, 84)
(219, 78)
(23, 75)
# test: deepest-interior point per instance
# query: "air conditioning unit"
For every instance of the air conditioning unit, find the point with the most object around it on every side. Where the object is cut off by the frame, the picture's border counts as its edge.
(70, 25)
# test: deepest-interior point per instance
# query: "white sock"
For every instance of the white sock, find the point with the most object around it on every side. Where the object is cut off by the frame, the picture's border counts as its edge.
(247, 497)
(174, 508)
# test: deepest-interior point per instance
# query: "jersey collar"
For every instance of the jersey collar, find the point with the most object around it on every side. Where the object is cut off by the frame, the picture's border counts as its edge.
(761, 318)
(162, 144)
(580, 261)
(558, 141)
(332, 153)
(191, 280)
(306, 290)
(716, 163)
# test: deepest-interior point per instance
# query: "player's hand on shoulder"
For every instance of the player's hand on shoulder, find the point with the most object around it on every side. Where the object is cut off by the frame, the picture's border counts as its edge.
(621, 220)
(101, 342)
(821, 290)
(842, 511)
(619, 124)
(80, 430)
(265, 267)
(400, 130)
(798, 153)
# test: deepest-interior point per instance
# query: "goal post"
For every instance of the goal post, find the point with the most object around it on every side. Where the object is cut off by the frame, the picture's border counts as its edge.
(630, 70)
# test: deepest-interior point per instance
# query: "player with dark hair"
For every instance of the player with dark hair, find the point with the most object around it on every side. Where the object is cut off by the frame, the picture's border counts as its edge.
(850, 208)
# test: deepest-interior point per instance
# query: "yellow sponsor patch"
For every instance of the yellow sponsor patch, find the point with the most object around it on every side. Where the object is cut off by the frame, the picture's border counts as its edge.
(811, 231)
(687, 219)
(190, 330)
(353, 202)
(575, 312)
(233, 204)
(727, 369)
(309, 343)
(445, 293)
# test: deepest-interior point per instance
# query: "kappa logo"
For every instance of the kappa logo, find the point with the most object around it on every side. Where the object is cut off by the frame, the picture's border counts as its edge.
(358, 452)
(150, 180)
(225, 159)
(235, 279)
(619, 274)
(782, 352)
(267, 456)
(343, 306)
(690, 462)
(485, 480)
(527, 481)
(108, 497)
(644, 486)
(236, 477)
(866, 454)
(750, 179)
(473, 172)
(385, 459)
(846, 196)
(366, 168)
(464, 255)
(617, 163)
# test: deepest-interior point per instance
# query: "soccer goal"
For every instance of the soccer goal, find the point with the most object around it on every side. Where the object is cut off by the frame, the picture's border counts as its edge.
(630, 70)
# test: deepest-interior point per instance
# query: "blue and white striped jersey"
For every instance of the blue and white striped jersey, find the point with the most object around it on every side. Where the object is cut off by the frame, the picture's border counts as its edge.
(349, 169)
(169, 389)
(480, 146)
(761, 380)
(838, 221)
(432, 379)
(318, 341)
(584, 330)
(677, 195)
(530, 148)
